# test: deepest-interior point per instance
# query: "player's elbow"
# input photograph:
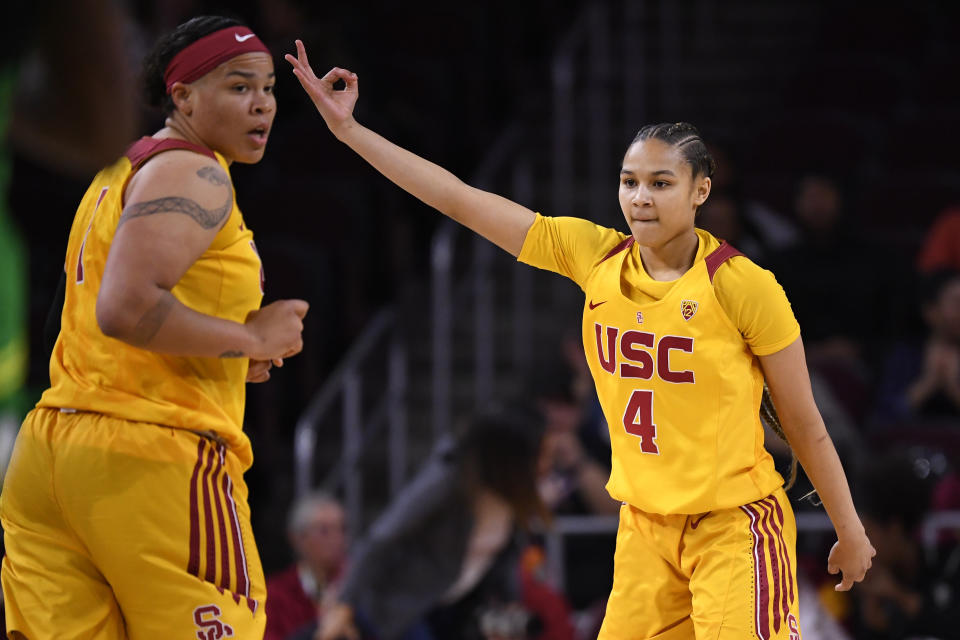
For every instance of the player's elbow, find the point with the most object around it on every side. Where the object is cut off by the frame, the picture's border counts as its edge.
(110, 317)
(116, 314)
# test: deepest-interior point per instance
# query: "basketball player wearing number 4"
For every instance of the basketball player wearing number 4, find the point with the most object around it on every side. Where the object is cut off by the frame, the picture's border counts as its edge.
(680, 332)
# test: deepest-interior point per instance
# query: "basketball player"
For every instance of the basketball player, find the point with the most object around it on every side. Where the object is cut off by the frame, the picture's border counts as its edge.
(680, 333)
(124, 510)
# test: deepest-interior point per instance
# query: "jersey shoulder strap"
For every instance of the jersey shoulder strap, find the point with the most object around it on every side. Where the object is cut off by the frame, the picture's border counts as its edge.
(147, 147)
(718, 256)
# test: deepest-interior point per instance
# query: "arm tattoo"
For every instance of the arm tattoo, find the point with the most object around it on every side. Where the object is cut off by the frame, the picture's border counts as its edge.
(216, 175)
(151, 321)
(232, 354)
(206, 218)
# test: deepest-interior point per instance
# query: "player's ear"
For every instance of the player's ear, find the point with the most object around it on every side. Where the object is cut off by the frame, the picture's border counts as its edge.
(703, 191)
(182, 96)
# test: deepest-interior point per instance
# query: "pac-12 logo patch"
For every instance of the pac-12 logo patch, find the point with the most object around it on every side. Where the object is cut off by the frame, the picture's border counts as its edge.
(688, 308)
(209, 626)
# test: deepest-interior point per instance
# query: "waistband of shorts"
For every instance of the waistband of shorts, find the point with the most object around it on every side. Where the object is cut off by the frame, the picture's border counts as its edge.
(207, 434)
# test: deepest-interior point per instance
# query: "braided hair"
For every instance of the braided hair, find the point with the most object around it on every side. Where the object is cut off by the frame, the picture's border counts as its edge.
(768, 413)
(685, 137)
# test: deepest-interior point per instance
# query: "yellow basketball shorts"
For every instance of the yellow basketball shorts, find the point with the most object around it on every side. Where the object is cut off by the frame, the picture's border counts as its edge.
(727, 574)
(115, 529)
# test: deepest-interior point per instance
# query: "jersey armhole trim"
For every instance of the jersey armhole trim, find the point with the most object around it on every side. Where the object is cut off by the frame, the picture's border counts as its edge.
(145, 148)
(718, 256)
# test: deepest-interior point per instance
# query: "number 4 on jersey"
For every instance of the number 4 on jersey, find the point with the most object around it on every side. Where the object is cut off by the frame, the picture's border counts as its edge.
(638, 420)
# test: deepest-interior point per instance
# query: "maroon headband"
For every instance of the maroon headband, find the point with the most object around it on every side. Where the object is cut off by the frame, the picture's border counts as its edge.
(202, 56)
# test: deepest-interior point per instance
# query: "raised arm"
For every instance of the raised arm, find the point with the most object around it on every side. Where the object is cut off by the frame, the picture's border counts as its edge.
(502, 221)
(789, 382)
(175, 206)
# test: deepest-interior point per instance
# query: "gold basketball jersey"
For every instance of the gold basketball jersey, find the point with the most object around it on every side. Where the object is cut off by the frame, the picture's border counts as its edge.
(92, 372)
(681, 393)
(679, 385)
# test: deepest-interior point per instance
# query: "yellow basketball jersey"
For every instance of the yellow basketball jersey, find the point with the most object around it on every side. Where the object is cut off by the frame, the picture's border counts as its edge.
(92, 372)
(678, 383)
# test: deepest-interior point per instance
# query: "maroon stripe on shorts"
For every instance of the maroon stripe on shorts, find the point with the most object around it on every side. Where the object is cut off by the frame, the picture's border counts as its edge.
(211, 572)
(239, 557)
(253, 604)
(762, 596)
(782, 554)
(767, 515)
(786, 556)
(222, 524)
(193, 564)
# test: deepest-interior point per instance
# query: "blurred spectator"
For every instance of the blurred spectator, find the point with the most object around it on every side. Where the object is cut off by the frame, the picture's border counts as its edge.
(549, 606)
(941, 248)
(722, 215)
(843, 431)
(832, 282)
(574, 469)
(817, 621)
(923, 380)
(445, 553)
(575, 460)
(770, 229)
(296, 597)
(72, 113)
(902, 596)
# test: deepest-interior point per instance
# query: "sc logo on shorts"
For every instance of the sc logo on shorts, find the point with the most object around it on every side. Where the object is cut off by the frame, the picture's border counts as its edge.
(209, 627)
(794, 627)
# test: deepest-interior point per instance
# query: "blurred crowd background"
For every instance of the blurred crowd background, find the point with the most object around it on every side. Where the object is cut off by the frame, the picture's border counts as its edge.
(835, 126)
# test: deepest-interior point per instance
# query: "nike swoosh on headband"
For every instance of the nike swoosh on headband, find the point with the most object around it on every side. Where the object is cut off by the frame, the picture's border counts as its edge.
(241, 38)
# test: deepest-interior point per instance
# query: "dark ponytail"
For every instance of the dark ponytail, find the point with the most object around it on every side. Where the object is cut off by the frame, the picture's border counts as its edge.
(768, 413)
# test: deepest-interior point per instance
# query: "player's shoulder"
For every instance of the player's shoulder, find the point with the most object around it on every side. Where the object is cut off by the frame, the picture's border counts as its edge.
(580, 227)
(180, 163)
(179, 172)
(603, 241)
(730, 269)
(583, 240)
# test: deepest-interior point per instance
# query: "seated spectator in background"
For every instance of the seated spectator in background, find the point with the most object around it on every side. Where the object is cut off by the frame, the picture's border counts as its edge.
(772, 230)
(297, 596)
(941, 247)
(722, 215)
(818, 622)
(548, 605)
(843, 431)
(574, 469)
(833, 283)
(446, 551)
(575, 459)
(922, 380)
(902, 596)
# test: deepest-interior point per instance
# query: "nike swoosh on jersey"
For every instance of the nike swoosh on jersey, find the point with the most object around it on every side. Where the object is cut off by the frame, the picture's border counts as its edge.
(594, 306)
(696, 523)
(241, 38)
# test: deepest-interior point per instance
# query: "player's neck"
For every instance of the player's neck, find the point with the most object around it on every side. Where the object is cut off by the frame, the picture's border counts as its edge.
(175, 128)
(672, 259)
